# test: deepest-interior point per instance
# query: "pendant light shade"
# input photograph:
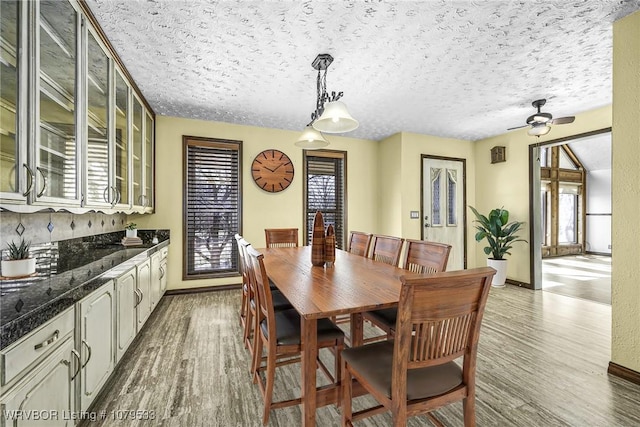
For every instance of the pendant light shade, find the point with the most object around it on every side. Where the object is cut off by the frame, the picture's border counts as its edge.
(311, 139)
(335, 119)
(539, 129)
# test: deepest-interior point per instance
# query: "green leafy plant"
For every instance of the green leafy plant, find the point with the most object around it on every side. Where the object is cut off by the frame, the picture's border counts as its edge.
(20, 251)
(131, 226)
(499, 232)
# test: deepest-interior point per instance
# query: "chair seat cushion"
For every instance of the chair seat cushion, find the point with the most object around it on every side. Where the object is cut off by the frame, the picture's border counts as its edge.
(288, 328)
(374, 362)
(386, 317)
(272, 285)
(280, 302)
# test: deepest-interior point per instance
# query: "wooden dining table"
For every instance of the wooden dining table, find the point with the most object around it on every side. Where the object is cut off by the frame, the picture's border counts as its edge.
(353, 285)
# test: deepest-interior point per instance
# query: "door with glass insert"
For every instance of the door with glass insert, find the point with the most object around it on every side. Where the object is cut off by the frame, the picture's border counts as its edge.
(57, 153)
(443, 206)
(121, 161)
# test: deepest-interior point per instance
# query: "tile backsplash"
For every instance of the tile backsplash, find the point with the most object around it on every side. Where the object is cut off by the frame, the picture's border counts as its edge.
(45, 227)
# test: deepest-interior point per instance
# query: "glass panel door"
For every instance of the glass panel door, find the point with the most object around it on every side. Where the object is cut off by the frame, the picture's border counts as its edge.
(121, 141)
(57, 158)
(148, 162)
(9, 156)
(97, 124)
(137, 153)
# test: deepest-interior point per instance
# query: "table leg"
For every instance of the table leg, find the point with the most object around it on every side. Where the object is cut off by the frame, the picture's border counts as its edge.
(357, 331)
(309, 346)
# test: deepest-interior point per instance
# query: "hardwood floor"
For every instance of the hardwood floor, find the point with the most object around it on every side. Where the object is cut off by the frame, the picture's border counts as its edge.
(581, 276)
(542, 361)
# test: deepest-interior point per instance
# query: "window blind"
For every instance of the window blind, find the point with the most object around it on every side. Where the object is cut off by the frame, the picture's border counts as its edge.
(325, 192)
(212, 207)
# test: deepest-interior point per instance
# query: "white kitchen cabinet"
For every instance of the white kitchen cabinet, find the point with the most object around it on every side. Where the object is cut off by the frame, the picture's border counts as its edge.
(95, 343)
(126, 300)
(158, 276)
(143, 306)
(46, 395)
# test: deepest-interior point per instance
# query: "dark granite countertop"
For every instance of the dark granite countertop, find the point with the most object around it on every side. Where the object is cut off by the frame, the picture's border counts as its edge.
(67, 272)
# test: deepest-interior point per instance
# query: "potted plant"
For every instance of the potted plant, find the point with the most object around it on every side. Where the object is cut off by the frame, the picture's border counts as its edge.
(131, 229)
(18, 262)
(500, 235)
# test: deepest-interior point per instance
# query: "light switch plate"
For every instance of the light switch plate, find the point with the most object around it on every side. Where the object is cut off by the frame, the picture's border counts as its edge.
(415, 215)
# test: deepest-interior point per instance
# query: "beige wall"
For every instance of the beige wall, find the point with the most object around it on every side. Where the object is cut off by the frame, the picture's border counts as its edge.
(389, 183)
(506, 184)
(260, 209)
(625, 281)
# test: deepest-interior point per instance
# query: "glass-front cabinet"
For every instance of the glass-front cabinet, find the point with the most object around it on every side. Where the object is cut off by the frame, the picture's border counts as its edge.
(74, 134)
(98, 125)
(57, 161)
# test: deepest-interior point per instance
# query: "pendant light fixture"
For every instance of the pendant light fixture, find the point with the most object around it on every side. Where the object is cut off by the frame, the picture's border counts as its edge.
(330, 115)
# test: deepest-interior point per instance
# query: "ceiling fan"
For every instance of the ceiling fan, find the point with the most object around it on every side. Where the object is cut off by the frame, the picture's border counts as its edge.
(540, 122)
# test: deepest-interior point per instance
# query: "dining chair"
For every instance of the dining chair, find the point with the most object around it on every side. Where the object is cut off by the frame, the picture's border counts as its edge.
(359, 243)
(281, 237)
(279, 301)
(245, 281)
(386, 249)
(439, 320)
(421, 257)
(279, 334)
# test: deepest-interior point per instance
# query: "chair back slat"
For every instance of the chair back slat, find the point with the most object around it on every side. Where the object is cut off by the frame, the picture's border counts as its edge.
(423, 257)
(359, 243)
(264, 297)
(281, 237)
(386, 249)
(439, 316)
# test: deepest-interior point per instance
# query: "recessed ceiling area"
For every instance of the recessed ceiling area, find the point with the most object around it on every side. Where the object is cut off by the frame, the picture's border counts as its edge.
(459, 69)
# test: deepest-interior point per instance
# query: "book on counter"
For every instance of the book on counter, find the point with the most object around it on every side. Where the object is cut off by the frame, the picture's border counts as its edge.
(131, 241)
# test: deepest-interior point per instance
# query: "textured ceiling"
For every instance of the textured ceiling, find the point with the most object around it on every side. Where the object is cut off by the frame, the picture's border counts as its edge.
(461, 69)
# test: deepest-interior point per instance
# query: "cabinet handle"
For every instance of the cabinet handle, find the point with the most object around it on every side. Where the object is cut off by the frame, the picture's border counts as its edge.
(115, 195)
(161, 272)
(119, 196)
(141, 295)
(105, 196)
(44, 181)
(79, 363)
(138, 299)
(82, 199)
(30, 180)
(89, 350)
(51, 339)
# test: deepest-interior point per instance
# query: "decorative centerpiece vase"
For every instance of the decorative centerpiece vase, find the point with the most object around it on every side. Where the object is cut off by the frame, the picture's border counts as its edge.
(330, 246)
(317, 241)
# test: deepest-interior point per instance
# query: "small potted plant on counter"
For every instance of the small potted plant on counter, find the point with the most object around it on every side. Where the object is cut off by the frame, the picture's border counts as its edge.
(18, 262)
(500, 235)
(131, 229)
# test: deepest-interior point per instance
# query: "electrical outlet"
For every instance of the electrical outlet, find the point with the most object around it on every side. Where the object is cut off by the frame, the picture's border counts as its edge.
(609, 247)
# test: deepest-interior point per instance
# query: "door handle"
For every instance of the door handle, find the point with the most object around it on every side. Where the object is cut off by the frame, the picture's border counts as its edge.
(426, 224)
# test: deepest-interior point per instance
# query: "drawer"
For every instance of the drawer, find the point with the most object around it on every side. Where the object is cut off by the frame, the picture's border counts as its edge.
(35, 346)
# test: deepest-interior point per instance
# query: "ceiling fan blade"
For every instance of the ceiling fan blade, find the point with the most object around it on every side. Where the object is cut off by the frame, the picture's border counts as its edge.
(518, 127)
(563, 120)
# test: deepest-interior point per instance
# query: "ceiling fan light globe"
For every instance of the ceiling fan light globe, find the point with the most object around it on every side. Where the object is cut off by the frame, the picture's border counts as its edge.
(335, 119)
(539, 130)
(311, 139)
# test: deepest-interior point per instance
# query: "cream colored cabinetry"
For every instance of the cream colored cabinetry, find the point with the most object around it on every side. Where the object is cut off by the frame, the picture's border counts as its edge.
(39, 372)
(143, 306)
(73, 133)
(158, 276)
(126, 300)
(95, 341)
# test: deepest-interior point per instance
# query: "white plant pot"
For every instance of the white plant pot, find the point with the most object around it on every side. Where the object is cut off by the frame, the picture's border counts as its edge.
(131, 233)
(500, 265)
(18, 267)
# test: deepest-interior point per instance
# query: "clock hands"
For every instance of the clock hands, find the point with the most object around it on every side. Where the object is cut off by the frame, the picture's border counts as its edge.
(270, 170)
(277, 167)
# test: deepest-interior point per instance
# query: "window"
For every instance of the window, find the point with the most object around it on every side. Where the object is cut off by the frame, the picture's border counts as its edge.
(211, 207)
(325, 184)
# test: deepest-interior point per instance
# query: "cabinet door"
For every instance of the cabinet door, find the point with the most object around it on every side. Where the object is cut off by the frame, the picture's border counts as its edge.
(147, 193)
(96, 344)
(121, 151)
(137, 157)
(57, 160)
(126, 299)
(97, 189)
(46, 394)
(15, 174)
(144, 291)
(163, 276)
(156, 279)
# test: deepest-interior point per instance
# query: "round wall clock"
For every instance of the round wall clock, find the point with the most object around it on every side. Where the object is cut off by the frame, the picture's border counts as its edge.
(272, 170)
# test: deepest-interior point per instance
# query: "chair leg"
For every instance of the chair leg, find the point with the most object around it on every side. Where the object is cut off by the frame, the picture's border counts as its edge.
(338, 368)
(469, 410)
(243, 308)
(257, 357)
(346, 394)
(399, 414)
(248, 324)
(268, 392)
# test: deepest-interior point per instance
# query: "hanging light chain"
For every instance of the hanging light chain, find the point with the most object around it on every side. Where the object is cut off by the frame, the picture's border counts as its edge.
(322, 95)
